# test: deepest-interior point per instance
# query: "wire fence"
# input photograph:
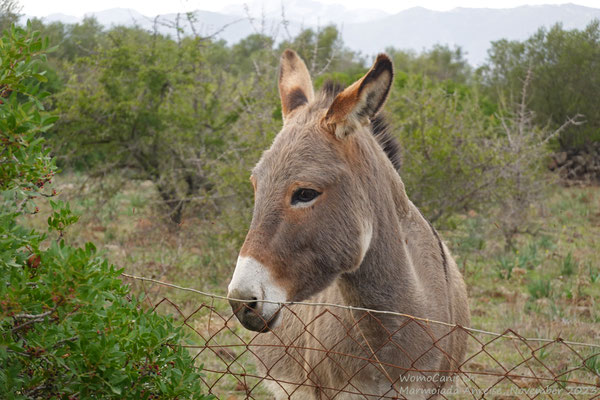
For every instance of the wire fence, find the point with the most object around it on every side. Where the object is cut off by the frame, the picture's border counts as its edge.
(346, 352)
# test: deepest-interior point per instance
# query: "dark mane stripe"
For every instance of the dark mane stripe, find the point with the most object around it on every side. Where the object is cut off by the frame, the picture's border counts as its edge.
(390, 145)
(379, 126)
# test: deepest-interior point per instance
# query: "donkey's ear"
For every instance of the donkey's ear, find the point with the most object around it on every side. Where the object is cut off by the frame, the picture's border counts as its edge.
(362, 100)
(295, 86)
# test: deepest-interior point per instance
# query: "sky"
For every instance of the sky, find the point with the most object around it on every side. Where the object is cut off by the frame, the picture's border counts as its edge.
(77, 8)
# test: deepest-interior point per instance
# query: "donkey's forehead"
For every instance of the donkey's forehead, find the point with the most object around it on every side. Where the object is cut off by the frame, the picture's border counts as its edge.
(300, 149)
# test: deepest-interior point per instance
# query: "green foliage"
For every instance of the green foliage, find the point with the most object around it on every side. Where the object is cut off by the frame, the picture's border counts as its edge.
(69, 327)
(147, 104)
(440, 63)
(250, 51)
(505, 267)
(527, 258)
(76, 40)
(565, 78)
(72, 42)
(324, 52)
(474, 240)
(445, 138)
(24, 163)
(61, 217)
(316, 48)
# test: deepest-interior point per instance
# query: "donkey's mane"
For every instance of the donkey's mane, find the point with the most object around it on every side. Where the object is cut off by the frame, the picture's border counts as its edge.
(379, 126)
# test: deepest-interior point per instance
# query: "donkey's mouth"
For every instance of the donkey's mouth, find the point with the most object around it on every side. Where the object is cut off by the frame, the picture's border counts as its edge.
(252, 319)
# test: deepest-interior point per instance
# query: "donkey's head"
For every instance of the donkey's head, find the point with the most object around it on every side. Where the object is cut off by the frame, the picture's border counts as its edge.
(313, 215)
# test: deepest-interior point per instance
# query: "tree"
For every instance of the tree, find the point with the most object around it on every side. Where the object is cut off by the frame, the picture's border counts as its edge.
(522, 148)
(565, 79)
(9, 13)
(322, 50)
(251, 52)
(440, 63)
(448, 164)
(150, 107)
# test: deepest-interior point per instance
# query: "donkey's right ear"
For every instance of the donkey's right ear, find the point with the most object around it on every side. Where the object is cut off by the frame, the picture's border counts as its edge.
(295, 85)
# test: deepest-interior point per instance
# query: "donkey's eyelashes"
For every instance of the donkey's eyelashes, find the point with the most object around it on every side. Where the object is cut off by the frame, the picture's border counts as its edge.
(302, 196)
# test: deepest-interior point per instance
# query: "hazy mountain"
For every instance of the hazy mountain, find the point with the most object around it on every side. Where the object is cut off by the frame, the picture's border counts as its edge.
(471, 28)
(309, 12)
(65, 19)
(369, 31)
(120, 16)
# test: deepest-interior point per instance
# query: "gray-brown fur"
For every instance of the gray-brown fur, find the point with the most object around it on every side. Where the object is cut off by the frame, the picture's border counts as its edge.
(317, 254)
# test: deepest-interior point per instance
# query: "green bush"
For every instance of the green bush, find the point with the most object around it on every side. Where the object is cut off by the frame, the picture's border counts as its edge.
(152, 107)
(558, 93)
(69, 328)
(449, 164)
(25, 165)
(457, 157)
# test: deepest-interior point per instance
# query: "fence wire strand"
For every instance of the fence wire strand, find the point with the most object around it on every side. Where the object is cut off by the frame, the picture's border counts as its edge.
(351, 361)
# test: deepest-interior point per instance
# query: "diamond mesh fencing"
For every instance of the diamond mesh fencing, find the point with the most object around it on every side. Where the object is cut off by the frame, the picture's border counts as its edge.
(340, 352)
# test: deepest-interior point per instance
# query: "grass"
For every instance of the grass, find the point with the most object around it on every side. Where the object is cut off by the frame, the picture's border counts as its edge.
(548, 286)
(544, 268)
(569, 265)
(594, 273)
(539, 288)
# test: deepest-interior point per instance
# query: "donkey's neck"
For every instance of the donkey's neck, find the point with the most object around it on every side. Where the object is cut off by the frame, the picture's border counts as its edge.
(389, 277)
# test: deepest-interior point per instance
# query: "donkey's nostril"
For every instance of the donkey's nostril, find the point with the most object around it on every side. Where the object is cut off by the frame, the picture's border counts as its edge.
(251, 306)
(251, 313)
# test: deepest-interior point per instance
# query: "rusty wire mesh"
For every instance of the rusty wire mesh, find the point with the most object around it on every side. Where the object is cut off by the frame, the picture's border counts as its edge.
(241, 364)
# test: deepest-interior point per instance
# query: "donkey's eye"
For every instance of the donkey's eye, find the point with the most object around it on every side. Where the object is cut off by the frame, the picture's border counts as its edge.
(304, 196)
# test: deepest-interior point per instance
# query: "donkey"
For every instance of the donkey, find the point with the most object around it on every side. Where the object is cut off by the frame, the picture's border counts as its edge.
(332, 224)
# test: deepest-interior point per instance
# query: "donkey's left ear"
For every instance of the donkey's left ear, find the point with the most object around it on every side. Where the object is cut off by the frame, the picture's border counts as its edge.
(295, 85)
(362, 100)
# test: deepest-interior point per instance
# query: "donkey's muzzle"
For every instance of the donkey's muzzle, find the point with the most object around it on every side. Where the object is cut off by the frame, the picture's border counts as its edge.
(250, 314)
(255, 296)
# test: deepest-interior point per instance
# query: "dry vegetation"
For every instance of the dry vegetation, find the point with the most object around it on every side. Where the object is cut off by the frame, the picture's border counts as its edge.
(548, 286)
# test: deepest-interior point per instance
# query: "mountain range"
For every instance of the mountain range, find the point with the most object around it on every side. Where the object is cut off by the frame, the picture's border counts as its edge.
(368, 31)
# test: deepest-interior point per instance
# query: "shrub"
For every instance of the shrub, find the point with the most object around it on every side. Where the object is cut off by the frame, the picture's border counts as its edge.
(24, 163)
(557, 94)
(457, 157)
(151, 107)
(449, 165)
(522, 149)
(69, 328)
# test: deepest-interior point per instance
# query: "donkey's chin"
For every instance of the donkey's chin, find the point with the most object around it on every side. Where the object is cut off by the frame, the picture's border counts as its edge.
(258, 323)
